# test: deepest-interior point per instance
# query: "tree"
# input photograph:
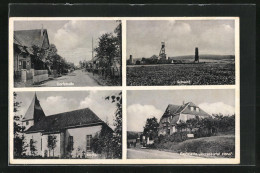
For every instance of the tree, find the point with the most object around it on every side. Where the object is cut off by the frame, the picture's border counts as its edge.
(181, 125)
(118, 40)
(52, 140)
(70, 146)
(19, 139)
(151, 128)
(33, 147)
(107, 47)
(117, 137)
(192, 124)
(38, 57)
(102, 143)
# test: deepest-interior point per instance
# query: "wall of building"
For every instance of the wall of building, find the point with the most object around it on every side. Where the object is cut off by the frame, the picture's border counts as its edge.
(79, 138)
(28, 125)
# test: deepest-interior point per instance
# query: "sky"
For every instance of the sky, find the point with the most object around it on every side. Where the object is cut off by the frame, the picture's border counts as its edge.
(180, 36)
(147, 104)
(61, 101)
(73, 39)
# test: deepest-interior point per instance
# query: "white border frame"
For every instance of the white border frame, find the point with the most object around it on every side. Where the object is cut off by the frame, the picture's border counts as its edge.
(124, 89)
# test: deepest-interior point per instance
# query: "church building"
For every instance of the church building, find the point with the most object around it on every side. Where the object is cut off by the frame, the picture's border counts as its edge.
(72, 132)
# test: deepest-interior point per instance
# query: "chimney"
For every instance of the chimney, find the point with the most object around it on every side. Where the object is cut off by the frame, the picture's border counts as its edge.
(131, 59)
(42, 31)
(197, 54)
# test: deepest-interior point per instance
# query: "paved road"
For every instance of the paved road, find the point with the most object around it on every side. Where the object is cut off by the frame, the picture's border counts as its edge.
(154, 154)
(76, 78)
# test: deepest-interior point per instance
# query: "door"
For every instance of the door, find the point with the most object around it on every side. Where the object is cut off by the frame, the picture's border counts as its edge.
(24, 64)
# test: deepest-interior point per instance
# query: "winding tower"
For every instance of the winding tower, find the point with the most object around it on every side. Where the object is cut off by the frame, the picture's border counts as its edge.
(162, 54)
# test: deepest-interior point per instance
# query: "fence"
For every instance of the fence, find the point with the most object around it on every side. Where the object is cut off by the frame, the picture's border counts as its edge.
(40, 75)
(17, 76)
(40, 72)
(30, 76)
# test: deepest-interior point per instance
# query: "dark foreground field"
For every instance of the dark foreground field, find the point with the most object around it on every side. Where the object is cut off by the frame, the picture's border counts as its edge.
(214, 146)
(181, 74)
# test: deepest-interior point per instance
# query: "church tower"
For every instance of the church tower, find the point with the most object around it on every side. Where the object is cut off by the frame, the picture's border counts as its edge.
(33, 114)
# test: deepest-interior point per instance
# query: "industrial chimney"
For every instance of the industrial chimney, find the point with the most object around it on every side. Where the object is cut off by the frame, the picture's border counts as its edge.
(196, 55)
(131, 59)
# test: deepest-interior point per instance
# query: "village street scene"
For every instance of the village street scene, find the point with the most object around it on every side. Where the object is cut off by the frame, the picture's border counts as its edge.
(81, 125)
(67, 53)
(181, 124)
(180, 52)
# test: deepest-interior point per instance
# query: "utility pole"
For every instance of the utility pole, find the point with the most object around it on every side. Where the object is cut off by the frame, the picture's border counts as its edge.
(92, 48)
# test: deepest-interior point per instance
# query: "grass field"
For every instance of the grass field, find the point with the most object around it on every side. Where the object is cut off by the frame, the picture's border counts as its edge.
(181, 74)
(224, 145)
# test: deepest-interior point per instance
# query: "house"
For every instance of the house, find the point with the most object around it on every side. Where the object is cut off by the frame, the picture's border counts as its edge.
(73, 131)
(174, 114)
(24, 40)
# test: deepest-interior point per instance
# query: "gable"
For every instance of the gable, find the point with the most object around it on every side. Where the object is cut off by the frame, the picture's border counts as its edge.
(193, 109)
(173, 110)
(34, 111)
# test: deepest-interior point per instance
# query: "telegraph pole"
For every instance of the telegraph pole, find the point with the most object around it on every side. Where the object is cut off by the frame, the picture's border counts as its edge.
(92, 48)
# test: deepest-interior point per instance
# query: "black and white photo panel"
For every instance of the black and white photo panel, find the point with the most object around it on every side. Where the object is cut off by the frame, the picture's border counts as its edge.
(181, 52)
(66, 125)
(66, 52)
(182, 124)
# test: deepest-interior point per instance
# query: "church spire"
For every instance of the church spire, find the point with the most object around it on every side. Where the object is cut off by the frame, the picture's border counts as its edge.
(34, 112)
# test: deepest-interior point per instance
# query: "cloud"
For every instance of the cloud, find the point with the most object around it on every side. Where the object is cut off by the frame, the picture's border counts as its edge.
(60, 104)
(219, 38)
(137, 115)
(104, 109)
(181, 37)
(218, 107)
(74, 39)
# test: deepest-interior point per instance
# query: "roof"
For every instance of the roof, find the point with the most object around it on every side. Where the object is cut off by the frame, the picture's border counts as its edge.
(200, 113)
(29, 38)
(34, 108)
(173, 110)
(176, 110)
(65, 120)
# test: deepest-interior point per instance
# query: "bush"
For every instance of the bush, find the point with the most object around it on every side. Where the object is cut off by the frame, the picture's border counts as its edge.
(176, 137)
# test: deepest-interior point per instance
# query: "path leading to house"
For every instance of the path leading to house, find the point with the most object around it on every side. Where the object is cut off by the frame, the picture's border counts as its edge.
(136, 153)
(76, 78)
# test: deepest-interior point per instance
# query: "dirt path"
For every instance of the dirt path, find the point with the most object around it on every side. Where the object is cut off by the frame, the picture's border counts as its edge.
(76, 78)
(133, 153)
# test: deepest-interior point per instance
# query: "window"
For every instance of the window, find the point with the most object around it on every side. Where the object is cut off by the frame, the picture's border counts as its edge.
(20, 62)
(70, 144)
(41, 144)
(168, 131)
(197, 109)
(27, 123)
(191, 108)
(88, 143)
